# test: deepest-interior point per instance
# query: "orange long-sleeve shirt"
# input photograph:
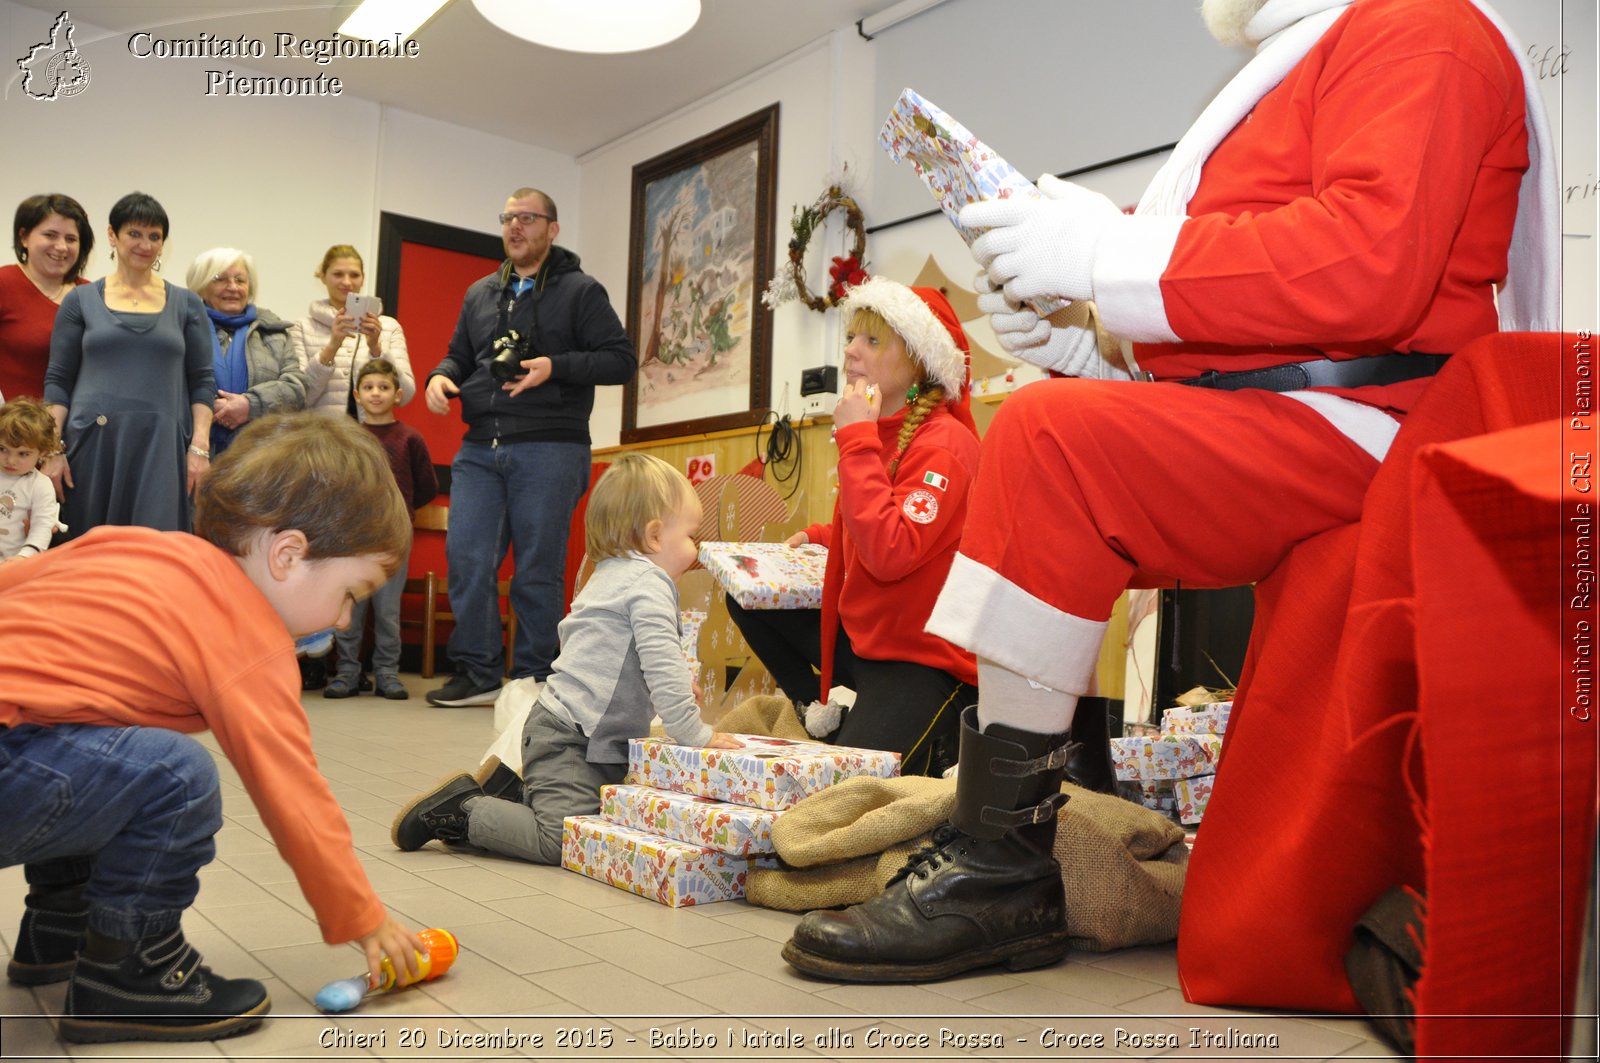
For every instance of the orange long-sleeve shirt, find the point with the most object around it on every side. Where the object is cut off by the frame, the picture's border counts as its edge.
(133, 627)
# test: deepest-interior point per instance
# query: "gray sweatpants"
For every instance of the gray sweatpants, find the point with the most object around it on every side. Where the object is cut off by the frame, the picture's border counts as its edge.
(557, 781)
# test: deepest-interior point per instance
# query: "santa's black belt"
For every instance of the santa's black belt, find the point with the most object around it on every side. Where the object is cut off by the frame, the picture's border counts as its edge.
(1325, 373)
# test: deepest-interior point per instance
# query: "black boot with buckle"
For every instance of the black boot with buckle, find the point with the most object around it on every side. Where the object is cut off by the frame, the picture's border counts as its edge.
(1090, 766)
(986, 891)
(54, 917)
(155, 989)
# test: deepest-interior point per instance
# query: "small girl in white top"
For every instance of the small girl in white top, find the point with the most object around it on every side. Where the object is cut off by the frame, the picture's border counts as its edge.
(28, 506)
(331, 344)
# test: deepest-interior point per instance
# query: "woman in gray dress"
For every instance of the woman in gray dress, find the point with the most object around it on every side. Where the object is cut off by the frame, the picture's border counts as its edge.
(131, 386)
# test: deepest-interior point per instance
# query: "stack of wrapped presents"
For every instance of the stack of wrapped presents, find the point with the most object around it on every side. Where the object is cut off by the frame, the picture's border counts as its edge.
(688, 823)
(1172, 771)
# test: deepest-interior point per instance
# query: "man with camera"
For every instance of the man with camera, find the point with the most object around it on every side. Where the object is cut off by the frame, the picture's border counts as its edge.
(533, 340)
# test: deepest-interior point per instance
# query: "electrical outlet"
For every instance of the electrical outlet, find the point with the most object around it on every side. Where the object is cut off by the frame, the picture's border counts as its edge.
(822, 379)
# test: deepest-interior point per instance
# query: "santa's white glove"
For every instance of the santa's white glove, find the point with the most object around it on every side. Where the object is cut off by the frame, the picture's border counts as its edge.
(1071, 349)
(1038, 248)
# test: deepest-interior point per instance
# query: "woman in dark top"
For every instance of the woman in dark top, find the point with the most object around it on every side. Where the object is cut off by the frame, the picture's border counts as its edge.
(131, 385)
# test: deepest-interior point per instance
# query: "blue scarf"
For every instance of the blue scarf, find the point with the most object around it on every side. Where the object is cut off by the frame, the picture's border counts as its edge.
(232, 372)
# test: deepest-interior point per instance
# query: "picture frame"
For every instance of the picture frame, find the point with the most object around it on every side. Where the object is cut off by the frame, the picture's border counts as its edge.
(700, 254)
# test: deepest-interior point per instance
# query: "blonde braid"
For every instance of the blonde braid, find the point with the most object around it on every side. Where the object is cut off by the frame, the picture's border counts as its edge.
(928, 396)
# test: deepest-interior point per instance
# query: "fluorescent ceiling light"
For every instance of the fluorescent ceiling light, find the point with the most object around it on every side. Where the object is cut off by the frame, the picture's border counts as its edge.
(873, 25)
(593, 25)
(376, 20)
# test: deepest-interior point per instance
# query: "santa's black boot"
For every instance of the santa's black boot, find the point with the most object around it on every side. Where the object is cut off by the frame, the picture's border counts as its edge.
(1090, 766)
(986, 891)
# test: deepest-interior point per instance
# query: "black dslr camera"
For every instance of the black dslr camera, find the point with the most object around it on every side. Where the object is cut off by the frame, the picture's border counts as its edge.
(510, 351)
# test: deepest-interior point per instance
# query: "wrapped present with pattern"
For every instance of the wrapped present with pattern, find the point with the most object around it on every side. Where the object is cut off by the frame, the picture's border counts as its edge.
(665, 870)
(957, 167)
(1156, 794)
(727, 828)
(770, 773)
(689, 623)
(1165, 756)
(1192, 795)
(1207, 719)
(768, 575)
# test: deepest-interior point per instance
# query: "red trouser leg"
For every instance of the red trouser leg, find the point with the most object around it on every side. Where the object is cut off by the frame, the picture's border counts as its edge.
(1088, 487)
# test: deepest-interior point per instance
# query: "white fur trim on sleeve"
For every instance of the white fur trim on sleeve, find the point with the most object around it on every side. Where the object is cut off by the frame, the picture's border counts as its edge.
(1127, 278)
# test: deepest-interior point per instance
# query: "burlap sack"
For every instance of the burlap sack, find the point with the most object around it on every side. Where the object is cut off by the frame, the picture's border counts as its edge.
(862, 817)
(847, 882)
(1122, 865)
(765, 714)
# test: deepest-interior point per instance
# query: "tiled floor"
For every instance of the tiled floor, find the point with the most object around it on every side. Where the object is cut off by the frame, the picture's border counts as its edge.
(592, 972)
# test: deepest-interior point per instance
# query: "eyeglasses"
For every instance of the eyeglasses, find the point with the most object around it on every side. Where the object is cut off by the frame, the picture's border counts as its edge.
(526, 217)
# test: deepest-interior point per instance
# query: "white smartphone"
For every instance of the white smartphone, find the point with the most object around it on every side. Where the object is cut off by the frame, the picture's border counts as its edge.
(358, 306)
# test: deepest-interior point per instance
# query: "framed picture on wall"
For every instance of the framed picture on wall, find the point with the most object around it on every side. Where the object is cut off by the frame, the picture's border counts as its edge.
(700, 255)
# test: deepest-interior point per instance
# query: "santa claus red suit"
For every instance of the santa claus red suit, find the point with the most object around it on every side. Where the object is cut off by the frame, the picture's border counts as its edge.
(1337, 221)
(1360, 213)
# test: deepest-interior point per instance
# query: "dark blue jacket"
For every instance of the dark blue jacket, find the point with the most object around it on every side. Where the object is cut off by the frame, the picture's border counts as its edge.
(567, 317)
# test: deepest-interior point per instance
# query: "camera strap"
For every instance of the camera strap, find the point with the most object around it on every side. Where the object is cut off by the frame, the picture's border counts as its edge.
(512, 288)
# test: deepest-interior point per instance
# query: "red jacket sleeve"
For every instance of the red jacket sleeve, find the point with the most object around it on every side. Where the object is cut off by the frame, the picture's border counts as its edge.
(896, 527)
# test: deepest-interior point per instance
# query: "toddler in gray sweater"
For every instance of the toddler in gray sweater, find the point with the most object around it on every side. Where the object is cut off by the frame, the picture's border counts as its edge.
(621, 663)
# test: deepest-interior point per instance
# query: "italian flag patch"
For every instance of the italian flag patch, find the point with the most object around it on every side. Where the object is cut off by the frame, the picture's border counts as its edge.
(933, 479)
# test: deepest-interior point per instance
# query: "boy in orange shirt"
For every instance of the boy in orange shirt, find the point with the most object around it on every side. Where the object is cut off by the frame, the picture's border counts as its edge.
(127, 638)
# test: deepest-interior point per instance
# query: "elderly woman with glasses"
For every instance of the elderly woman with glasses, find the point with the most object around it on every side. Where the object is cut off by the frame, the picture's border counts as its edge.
(255, 364)
(333, 343)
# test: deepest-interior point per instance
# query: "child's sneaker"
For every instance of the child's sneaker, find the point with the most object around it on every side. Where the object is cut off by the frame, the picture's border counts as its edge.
(498, 780)
(389, 686)
(158, 992)
(438, 814)
(341, 686)
(47, 945)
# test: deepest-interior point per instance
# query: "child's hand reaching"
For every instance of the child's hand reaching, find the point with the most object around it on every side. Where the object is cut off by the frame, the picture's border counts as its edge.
(723, 740)
(401, 944)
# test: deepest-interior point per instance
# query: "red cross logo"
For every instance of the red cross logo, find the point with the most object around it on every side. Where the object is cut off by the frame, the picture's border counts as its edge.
(921, 506)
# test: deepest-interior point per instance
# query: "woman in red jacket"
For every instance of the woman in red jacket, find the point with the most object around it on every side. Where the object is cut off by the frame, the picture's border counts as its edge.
(908, 451)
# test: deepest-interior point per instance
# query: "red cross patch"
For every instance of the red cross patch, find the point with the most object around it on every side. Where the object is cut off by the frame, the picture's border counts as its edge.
(921, 506)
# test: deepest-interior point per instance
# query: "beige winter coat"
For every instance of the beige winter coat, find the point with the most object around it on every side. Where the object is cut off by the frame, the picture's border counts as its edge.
(328, 387)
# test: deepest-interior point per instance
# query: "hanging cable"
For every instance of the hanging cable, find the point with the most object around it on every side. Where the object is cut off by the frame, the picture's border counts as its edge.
(781, 451)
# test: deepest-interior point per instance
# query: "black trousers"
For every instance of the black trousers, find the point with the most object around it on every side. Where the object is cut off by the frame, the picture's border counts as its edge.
(907, 708)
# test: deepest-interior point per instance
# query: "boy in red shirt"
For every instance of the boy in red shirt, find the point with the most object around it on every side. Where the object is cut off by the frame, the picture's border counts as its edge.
(129, 639)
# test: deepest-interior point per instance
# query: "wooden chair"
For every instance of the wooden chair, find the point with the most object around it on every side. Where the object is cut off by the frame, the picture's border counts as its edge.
(435, 593)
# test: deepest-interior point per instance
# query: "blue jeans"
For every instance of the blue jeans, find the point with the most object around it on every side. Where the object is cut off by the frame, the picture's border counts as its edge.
(142, 801)
(521, 496)
(385, 628)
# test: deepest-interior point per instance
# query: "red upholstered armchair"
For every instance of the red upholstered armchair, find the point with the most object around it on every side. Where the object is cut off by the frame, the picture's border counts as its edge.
(1402, 720)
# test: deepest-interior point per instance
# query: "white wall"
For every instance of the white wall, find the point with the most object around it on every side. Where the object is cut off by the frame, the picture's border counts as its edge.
(811, 88)
(282, 178)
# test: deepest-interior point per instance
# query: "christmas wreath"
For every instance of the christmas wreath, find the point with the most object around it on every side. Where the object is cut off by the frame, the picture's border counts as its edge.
(847, 270)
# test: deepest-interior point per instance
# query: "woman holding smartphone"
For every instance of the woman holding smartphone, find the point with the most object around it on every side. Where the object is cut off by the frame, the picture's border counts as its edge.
(342, 333)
